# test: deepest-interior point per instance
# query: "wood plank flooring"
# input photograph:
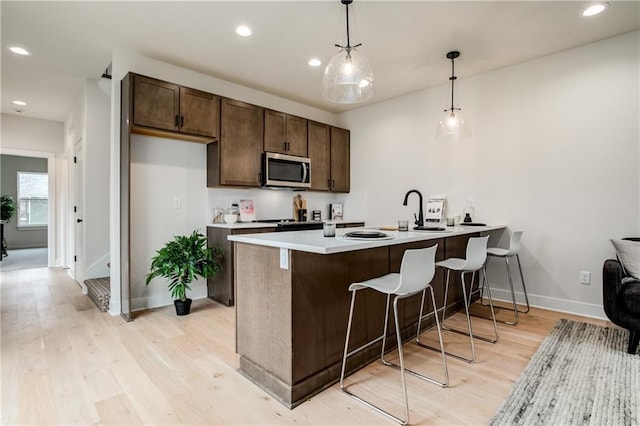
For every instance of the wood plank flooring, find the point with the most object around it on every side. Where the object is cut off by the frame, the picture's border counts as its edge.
(64, 362)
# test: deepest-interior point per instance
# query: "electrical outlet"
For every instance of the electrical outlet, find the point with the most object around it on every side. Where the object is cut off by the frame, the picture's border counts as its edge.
(585, 277)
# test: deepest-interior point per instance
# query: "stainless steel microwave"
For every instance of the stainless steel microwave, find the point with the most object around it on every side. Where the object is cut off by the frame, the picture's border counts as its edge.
(280, 170)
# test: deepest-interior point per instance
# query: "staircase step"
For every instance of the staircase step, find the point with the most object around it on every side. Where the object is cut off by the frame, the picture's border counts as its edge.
(99, 291)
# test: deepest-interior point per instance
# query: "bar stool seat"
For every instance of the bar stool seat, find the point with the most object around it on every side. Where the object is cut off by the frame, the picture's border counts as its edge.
(476, 255)
(506, 254)
(416, 272)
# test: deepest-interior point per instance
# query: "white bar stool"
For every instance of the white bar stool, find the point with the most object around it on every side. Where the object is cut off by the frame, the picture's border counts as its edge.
(512, 251)
(476, 256)
(416, 272)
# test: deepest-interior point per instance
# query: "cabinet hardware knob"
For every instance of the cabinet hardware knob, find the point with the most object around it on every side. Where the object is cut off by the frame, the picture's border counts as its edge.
(78, 220)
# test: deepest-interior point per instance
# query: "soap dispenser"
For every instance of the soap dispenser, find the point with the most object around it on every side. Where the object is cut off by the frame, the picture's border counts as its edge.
(469, 211)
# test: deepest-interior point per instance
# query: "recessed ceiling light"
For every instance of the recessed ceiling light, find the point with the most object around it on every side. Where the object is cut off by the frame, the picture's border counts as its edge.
(243, 31)
(20, 103)
(315, 62)
(594, 9)
(19, 50)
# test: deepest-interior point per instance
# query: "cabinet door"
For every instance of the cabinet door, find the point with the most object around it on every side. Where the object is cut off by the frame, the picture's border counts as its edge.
(274, 131)
(296, 136)
(155, 103)
(199, 113)
(240, 143)
(319, 153)
(340, 163)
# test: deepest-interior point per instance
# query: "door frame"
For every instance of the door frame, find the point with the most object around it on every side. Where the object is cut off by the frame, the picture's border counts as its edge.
(76, 190)
(52, 243)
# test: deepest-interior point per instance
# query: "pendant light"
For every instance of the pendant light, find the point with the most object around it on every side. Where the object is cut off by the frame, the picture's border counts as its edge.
(348, 77)
(452, 126)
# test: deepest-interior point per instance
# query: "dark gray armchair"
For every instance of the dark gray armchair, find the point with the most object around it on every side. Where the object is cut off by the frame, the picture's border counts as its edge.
(622, 300)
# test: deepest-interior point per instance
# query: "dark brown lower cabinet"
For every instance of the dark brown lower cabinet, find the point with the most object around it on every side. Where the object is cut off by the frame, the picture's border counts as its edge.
(291, 323)
(220, 288)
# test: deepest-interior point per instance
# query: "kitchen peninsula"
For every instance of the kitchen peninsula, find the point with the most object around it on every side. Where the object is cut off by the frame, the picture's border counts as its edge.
(292, 301)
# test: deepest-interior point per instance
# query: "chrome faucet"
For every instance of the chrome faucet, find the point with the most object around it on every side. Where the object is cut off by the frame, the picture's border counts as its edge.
(420, 218)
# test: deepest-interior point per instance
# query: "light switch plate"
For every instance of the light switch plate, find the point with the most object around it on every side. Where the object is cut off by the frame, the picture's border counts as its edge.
(284, 258)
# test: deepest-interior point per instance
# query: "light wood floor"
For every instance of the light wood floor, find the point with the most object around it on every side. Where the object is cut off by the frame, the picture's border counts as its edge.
(64, 362)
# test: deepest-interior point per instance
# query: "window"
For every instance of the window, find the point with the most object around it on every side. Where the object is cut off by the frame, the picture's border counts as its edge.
(33, 199)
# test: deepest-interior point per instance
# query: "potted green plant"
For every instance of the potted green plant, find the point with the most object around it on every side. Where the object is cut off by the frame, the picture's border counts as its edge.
(7, 210)
(182, 260)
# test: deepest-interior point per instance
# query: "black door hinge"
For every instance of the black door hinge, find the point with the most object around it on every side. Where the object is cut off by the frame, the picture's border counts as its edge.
(75, 160)
(75, 258)
(75, 209)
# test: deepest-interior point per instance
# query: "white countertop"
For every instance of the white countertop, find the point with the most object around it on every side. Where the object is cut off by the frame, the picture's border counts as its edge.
(315, 242)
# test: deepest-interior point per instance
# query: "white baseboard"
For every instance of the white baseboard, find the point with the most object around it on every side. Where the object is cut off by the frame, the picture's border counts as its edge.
(552, 303)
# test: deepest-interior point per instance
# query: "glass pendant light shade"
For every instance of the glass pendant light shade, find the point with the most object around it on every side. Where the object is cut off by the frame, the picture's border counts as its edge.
(348, 78)
(453, 127)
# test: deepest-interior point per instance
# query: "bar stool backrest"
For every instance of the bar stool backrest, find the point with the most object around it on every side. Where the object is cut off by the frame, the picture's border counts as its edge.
(417, 270)
(476, 253)
(514, 243)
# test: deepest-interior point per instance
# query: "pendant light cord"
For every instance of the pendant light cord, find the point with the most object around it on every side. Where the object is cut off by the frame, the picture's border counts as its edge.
(452, 78)
(348, 46)
(348, 39)
(453, 55)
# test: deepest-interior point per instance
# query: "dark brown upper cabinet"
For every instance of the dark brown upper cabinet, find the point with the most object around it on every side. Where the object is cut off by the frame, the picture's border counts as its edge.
(234, 160)
(160, 107)
(340, 160)
(329, 154)
(285, 134)
(320, 156)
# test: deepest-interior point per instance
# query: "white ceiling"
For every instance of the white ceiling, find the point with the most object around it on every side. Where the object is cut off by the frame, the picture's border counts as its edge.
(405, 42)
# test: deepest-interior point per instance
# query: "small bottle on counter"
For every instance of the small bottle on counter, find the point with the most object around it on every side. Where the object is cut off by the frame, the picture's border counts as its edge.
(469, 211)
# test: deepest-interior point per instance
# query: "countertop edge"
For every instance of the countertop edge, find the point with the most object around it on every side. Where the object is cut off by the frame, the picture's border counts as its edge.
(314, 242)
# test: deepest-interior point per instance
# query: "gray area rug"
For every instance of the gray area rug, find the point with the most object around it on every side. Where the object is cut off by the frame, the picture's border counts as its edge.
(580, 375)
(19, 259)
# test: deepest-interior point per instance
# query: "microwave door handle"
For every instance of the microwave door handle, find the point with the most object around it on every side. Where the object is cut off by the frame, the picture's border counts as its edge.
(304, 172)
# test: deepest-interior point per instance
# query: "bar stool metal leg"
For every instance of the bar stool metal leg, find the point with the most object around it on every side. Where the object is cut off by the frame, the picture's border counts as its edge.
(445, 371)
(383, 338)
(467, 302)
(524, 287)
(513, 294)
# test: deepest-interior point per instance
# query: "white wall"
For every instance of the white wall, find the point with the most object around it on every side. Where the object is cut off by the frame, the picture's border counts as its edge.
(555, 151)
(41, 138)
(96, 178)
(161, 171)
(144, 245)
